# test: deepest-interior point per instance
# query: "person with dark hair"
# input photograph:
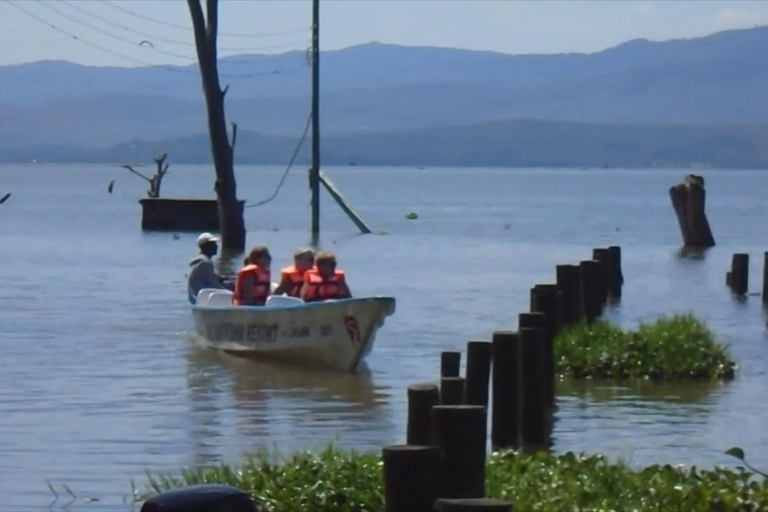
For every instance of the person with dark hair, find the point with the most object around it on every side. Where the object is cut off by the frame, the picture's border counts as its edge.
(292, 276)
(254, 279)
(325, 282)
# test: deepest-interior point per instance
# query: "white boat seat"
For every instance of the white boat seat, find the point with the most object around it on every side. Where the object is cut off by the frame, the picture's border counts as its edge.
(204, 294)
(220, 298)
(282, 301)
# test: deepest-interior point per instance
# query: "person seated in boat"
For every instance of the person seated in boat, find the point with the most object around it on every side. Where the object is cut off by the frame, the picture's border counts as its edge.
(324, 281)
(202, 274)
(292, 276)
(254, 280)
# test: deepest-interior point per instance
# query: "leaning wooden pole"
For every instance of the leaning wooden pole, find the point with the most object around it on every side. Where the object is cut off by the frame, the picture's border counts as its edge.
(314, 172)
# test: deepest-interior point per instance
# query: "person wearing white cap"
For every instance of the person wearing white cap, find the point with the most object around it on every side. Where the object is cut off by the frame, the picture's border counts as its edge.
(202, 274)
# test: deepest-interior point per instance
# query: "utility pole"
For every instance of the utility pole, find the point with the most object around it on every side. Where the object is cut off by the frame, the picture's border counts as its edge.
(314, 171)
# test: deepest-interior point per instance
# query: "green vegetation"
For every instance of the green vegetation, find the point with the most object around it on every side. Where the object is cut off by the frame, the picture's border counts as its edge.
(678, 347)
(339, 481)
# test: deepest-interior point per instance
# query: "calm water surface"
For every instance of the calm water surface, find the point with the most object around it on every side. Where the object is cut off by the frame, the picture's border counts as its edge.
(100, 382)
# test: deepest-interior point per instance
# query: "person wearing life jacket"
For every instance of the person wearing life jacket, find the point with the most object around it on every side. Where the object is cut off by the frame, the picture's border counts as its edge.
(324, 281)
(292, 277)
(254, 280)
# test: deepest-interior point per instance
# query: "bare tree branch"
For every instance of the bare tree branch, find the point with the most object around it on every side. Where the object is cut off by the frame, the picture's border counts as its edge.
(212, 20)
(137, 173)
(224, 92)
(234, 139)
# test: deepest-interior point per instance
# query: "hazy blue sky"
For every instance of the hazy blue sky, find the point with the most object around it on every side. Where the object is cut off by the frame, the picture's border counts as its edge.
(504, 26)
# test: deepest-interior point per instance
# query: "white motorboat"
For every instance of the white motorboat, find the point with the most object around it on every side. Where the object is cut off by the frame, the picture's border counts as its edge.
(335, 334)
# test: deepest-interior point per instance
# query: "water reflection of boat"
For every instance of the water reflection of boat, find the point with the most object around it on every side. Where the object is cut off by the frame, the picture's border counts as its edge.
(332, 334)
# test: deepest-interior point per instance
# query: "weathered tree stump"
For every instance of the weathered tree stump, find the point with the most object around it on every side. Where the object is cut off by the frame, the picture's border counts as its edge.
(201, 498)
(450, 362)
(569, 283)
(411, 477)
(479, 354)
(505, 414)
(452, 390)
(765, 280)
(474, 505)
(688, 200)
(421, 399)
(740, 274)
(460, 431)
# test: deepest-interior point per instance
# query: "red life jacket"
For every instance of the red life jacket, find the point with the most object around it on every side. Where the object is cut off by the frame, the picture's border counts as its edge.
(319, 289)
(263, 283)
(296, 278)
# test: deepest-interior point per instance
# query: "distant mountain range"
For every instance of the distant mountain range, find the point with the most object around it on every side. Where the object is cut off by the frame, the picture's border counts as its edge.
(702, 100)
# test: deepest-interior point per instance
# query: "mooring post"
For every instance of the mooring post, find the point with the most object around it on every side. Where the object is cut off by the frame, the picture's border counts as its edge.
(201, 498)
(460, 431)
(421, 398)
(615, 275)
(601, 256)
(479, 354)
(474, 505)
(569, 283)
(534, 410)
(740, 273)
(591, 305)
(546, 299)
(505, 414)
(765, 279)
(411, 477)
(449, 363)
(452, 390)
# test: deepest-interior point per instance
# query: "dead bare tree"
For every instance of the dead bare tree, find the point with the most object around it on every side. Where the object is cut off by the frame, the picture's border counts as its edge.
(231, 222)
(155, 180)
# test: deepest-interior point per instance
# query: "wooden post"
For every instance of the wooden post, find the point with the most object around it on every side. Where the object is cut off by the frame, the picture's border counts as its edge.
(452, 390)
(740, 274)
(728, 279)
(450, 363)
(765, 279)
(600, 255)
(534, 431)
(615, 275)
(505, 415)
(479, 354)
(411, 477)
(546, 299)
(591, 305)
(474, 505)
(688, 200)
(203, 497)
(569, 283)
(421, 399)
(460, 430)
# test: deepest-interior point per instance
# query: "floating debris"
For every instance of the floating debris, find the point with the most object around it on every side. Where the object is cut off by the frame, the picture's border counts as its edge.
(412, 216)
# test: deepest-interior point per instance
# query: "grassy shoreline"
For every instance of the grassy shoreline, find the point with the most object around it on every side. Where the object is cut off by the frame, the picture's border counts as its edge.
(347, 481)
(680, 347)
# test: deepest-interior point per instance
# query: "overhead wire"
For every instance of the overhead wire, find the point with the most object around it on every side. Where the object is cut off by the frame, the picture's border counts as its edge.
(177, 41)
(114, 53)
(184, 27)
(287, 169)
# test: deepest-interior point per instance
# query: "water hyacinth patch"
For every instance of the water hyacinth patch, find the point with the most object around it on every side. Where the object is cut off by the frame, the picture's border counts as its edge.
(677, 347)
(337, 480)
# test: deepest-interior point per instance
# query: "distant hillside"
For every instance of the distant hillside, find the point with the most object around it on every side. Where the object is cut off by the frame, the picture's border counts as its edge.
(502, 143)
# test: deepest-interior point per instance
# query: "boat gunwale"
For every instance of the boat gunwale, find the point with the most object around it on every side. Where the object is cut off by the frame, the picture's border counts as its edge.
(297, 307)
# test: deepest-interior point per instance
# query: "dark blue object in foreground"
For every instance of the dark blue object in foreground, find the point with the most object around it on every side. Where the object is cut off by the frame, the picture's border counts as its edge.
(201, 498)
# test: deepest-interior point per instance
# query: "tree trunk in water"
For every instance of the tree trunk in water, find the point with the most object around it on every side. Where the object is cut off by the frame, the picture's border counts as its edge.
(230, 214)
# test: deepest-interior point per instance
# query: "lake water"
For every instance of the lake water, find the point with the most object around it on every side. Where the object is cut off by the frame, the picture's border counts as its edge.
(100, 382)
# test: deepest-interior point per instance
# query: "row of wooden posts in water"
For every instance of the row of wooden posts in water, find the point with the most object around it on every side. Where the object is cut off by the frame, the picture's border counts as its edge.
(738, 277)
(442, 465)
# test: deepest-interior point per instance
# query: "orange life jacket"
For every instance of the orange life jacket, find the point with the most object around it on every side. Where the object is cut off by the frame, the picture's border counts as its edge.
(323, 289)
(297, 280)
(263, 283)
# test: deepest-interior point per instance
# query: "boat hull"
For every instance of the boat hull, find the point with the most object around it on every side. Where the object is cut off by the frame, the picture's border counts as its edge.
(334, 334)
